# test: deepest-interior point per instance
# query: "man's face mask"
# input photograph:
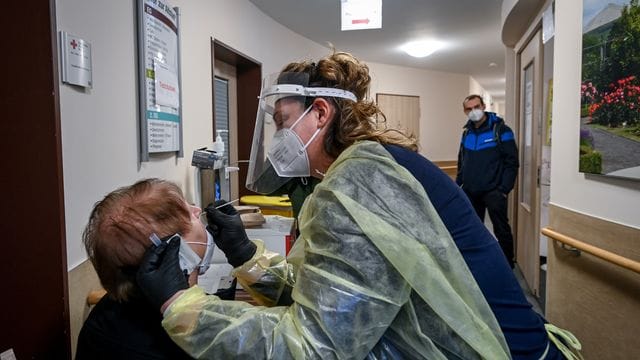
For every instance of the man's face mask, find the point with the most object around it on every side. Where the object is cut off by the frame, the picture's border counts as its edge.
(288, 154)
(476, 115)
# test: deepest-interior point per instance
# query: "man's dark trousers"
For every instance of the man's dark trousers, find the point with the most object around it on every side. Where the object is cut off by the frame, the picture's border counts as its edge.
(495, 203)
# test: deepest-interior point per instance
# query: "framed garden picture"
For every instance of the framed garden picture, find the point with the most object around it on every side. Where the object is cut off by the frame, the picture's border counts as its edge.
(610, 89)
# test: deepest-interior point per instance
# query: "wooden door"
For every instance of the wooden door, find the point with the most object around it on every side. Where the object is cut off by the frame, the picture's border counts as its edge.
(528, 194)
(402, 112)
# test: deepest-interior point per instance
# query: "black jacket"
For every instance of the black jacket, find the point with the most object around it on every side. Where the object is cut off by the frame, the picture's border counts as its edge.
(488, 157)
(128, 330)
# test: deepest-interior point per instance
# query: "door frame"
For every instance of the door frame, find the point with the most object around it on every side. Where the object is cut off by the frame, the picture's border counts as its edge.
(33, 260)
(249, 81)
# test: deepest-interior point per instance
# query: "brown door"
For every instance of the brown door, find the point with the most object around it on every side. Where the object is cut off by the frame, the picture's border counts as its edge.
(33, 269)
(528, 196)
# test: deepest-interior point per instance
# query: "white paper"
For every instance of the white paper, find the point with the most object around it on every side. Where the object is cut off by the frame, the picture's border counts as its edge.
(361, 14)
(528, 112)
(548, 27)
(167, 91)
(210, 280)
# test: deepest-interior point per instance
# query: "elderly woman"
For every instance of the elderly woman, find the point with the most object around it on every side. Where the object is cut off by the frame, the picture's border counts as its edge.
(375, 272)
(124, 324)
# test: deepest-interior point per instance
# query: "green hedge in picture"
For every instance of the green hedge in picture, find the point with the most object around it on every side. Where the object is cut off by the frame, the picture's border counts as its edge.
(584, 110)
(590, 162)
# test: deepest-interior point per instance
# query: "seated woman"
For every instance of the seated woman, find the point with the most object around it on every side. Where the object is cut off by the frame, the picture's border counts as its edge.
(123, 324)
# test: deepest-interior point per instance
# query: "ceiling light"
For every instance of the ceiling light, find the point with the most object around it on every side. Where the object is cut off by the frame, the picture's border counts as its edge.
(421, 49)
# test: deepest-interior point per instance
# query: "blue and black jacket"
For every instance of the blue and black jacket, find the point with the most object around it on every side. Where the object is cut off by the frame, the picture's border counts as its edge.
(488, 157)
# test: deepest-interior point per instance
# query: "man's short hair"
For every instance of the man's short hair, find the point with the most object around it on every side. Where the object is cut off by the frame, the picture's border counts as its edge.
(471, 97)
(117, 234)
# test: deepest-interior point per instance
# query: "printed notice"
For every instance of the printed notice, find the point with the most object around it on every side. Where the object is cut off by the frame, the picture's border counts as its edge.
(167, 93)
(162, 85)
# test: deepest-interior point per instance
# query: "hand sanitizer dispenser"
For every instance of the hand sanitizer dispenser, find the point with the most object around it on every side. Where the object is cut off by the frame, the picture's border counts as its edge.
(218, 145)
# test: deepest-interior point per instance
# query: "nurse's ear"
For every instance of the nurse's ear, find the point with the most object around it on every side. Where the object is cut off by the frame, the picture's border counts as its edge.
(324, 111)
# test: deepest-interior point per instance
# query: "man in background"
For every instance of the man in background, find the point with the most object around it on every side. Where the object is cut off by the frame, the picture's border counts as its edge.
(487, 167)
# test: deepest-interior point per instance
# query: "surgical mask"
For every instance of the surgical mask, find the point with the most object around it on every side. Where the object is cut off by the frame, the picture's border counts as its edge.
(188, 258)
(476, 115)
(205, 264)
(288, 154)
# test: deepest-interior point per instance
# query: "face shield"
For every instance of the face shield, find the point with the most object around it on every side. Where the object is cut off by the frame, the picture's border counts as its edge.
(277, 152)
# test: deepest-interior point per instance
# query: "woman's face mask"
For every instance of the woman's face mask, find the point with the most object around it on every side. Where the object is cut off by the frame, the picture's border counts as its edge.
(189, 260)
(288, 154)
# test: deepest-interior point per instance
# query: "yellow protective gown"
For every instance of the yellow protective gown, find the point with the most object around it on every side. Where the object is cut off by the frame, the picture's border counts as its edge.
(375, 274)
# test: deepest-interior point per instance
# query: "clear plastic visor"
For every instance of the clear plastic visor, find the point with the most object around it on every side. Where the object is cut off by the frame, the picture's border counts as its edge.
(279, 106)
(282, 102)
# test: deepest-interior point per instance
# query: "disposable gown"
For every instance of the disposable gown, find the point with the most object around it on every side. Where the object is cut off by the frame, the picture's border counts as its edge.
(374, 274)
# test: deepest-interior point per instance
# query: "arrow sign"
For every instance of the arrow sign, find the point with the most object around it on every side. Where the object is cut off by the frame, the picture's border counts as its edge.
(361, 14)
(360, 21)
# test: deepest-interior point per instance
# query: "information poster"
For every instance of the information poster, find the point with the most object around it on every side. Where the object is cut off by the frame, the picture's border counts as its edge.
(161, 127)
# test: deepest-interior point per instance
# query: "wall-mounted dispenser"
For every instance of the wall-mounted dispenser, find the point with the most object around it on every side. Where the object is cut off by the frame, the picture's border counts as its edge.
(205, 162)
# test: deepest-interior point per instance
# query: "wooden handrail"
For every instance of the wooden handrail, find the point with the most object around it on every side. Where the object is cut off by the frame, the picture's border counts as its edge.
(448, 167)
(94, 296)
(593, 250)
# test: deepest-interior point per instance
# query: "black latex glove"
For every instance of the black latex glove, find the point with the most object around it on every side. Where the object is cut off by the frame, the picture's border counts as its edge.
(159, 276)
(228, 233)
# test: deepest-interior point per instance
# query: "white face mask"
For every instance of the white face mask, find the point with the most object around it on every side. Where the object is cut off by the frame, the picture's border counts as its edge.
(189, 260)
(288, 154)
(205, 264)
(476, 115)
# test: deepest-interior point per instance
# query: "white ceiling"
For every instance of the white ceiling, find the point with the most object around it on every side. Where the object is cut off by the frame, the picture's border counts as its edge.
(470, 28)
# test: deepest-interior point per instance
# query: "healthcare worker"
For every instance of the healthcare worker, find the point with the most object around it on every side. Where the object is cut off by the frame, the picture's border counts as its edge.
(374, 273)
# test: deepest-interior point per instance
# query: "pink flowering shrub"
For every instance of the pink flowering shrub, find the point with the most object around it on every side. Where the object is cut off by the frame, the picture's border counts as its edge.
(619, 104)
(588, 93)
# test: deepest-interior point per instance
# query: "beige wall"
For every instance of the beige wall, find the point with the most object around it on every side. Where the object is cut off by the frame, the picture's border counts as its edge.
(598, 301)
(441, 95)
(476, 88)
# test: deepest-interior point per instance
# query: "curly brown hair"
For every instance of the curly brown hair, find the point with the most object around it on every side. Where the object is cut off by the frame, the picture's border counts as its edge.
(359, 120)
(117, 234)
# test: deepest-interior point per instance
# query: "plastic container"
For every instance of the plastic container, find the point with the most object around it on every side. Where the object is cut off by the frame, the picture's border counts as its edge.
(270, 205)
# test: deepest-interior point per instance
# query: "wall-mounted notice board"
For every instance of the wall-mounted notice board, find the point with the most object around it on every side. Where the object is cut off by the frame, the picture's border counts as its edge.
(159, 78)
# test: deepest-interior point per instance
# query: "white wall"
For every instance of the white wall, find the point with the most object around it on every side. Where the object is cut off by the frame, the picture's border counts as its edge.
(441, 95)
(100, 126)
(613, 200)
(475, 87)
